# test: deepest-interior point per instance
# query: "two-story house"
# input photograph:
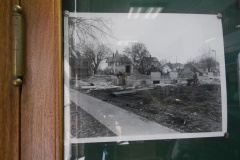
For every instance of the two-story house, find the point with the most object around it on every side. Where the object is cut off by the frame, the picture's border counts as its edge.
(81, 67)
(150, 64)
(119, 63)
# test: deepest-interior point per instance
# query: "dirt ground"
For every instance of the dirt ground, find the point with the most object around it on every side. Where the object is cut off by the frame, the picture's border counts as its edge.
(186, 109)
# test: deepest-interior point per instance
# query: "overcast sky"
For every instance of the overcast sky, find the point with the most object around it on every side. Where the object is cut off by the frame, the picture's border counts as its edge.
(175, 37)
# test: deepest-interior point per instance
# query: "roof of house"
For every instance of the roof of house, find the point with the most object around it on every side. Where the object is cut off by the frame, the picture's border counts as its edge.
(172, 65)
(118, 58)
(169, 65)
(175, 65)
(196, 66)
(187, 73)
(150, 59)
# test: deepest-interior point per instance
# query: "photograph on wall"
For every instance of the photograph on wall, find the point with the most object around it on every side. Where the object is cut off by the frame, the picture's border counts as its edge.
(143, 76)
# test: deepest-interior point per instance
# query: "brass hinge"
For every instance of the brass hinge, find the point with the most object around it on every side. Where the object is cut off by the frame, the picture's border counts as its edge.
(17, 50)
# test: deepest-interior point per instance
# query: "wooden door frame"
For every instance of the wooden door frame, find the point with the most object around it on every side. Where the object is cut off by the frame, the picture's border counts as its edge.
(9, 95)
(41, 97)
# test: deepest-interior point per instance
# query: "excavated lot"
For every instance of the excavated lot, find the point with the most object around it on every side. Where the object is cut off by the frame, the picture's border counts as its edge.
(186, 109)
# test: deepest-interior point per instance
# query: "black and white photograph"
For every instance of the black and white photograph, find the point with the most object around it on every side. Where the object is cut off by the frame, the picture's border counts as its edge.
(143, 76)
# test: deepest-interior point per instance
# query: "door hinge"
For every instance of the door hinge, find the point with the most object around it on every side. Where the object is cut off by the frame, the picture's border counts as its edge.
(17, 46)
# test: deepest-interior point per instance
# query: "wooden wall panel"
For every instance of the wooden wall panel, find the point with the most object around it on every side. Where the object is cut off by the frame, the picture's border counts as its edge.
(41, 92)
(9, 95)
(59, 80)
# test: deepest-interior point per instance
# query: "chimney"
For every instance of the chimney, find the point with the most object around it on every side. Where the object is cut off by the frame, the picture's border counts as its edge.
(113, 55)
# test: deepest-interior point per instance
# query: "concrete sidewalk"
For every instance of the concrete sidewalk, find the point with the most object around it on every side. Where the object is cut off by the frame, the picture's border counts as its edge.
(118, 120)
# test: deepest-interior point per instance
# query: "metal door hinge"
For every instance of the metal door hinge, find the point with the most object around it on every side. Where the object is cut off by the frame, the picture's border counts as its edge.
(17, 48)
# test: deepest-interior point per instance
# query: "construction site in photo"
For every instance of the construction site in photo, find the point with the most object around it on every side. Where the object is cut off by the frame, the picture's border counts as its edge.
(182, 102)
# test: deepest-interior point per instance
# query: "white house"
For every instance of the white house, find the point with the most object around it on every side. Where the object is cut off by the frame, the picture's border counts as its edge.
(119, 63)
(168, 67)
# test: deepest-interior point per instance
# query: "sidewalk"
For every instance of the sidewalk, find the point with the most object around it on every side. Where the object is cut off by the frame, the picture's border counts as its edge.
(118, 120)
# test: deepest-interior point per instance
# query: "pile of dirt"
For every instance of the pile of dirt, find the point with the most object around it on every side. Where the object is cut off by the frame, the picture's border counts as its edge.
(214, 80)
(82, 83)
(102, 79)
(96, 80)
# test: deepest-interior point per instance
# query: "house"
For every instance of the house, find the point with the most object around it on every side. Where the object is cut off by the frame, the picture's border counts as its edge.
(166, 68)
(119, 63)
(150, 64)
(169, 67)
(195, 67)
(189, 70)
(81, 67)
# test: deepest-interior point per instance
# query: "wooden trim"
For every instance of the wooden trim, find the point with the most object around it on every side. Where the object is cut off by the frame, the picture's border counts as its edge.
(9, 95)
(41, 113)
(59, 89)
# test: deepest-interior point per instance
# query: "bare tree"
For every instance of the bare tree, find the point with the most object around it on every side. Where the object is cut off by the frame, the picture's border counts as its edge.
(207, 59)
(163, 61)
(136, 53)
(190, 60)
(96, 53)
(84, 30)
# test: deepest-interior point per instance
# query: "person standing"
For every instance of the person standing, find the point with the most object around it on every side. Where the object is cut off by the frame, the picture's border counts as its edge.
(195, 78)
